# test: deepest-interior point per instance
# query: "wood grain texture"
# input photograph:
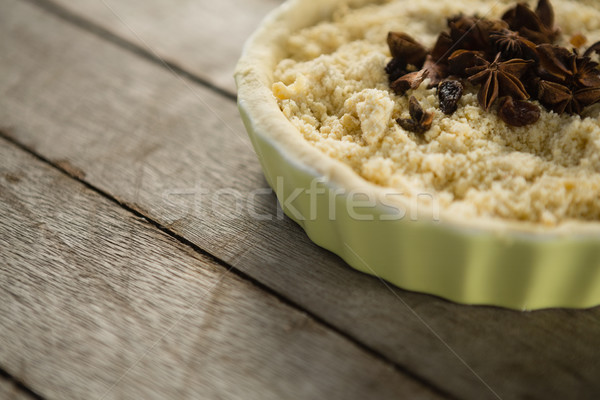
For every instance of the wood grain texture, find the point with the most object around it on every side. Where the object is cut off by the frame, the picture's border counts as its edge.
(97, 303)
(201, 36)
(178, 154)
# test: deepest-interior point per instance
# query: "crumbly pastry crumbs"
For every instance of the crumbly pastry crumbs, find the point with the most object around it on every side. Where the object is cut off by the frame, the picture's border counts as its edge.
(334, 89)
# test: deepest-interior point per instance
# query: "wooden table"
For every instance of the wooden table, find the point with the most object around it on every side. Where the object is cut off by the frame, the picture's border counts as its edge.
(142, 255)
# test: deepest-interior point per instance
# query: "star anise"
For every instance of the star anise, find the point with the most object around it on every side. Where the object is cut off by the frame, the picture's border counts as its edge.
(461, 60)
(473, 33)
(409, 81)
(395, 69)
(555, 63)
(406, 49)
(588, 96)
(436, 71)
(499, 78)
(594, 48)
(558, 98)
(585, 73)
(511, 58)
(536, 26)
(443, 47)
(569, 82)
(513, 45)
(420, 121)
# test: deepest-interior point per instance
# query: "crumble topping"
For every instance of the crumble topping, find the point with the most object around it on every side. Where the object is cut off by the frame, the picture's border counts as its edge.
(334, 89)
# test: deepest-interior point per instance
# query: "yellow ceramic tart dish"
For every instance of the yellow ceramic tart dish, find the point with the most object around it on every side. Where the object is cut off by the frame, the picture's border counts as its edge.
(471, 208)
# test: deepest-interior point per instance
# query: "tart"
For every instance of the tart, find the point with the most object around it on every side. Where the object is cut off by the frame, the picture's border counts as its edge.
(474, 198)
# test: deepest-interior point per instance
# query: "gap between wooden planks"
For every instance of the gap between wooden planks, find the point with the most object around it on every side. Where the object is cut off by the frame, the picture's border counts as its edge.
(181, 34)
(96, 303)
(11, 390)
(149, 140)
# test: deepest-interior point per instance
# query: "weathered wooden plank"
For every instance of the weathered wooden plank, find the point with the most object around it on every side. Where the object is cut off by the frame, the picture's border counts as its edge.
(96, 303)
(172, 150)
(203, 37)
(10, 391)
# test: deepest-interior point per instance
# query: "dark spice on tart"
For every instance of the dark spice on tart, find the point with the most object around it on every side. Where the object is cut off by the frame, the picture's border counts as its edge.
(537, 26)
(499, 78)
(518, 112)
(512, 45)
(409, 81)
(595, 48)
(449, 93)
(514, 58)
(419, 121)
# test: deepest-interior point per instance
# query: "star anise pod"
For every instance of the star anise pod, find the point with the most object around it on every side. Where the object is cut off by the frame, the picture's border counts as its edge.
(436, 71)
(395, 69)
(560, 65)
(444, 46)
(513, 45)
(511, 58)
(536, 26)
(436, 62)
(499, 78)
(560, 98)
(554, 63)
(594, 48)
(461, 60)
(518, 112)
(420, 121)
(406, 49)
(585, 72)
(568, 82)
(409, 81)
(588, 96)
(473, 33)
